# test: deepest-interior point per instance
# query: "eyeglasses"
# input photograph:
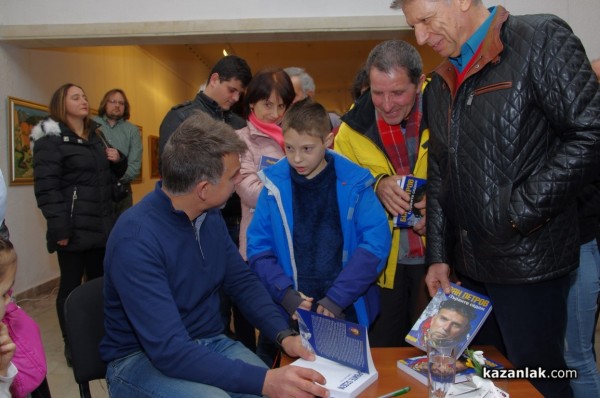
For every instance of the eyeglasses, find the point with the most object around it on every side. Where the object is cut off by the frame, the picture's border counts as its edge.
(115, 102)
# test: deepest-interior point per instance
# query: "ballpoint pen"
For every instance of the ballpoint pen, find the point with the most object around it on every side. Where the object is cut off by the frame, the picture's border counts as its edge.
(396, 393)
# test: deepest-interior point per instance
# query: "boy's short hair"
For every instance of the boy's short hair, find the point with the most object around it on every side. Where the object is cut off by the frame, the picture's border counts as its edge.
(307, 117)
(8, 256)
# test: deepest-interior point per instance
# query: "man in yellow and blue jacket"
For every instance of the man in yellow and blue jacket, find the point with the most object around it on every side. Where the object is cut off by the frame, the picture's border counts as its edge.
(383, 133)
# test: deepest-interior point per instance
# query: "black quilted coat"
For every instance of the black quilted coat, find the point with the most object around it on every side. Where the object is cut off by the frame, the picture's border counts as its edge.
(510, 149)
(73, 186)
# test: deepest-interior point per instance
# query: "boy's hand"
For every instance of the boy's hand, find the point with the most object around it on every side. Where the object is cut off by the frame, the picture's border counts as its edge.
(305, 305)
(325, 311)
(7, 349)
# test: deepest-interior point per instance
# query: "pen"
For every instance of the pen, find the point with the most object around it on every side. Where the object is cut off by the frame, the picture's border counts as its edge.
(401, 391)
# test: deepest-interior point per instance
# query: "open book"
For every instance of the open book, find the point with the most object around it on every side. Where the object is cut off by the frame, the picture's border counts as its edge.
(457, 316)
(342, 351)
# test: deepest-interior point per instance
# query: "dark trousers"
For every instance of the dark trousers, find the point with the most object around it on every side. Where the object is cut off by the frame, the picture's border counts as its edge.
(530, 324)
(73, 267)
(243, 329)
(400, 307)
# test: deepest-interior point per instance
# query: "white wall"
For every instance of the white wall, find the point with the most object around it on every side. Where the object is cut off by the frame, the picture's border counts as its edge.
(152, 86)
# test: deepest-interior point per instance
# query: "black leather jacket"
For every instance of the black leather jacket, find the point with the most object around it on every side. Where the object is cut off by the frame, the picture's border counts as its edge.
(510, 149)
(232, 212)
(203, 103)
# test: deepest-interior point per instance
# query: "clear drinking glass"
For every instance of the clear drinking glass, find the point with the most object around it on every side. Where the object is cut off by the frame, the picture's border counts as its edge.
(441, 361)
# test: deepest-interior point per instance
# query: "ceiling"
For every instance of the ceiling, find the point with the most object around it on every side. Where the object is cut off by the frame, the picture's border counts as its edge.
(333, 64)
(331, 57)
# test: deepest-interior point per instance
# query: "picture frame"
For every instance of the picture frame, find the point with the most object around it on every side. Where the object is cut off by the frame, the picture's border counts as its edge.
(22, 117)
(153, 154)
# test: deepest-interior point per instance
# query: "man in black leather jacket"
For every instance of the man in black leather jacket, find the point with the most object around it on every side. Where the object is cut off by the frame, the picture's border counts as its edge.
(514, 118)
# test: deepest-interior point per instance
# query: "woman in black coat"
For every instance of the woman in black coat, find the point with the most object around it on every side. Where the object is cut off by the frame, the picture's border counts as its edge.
(73, 173)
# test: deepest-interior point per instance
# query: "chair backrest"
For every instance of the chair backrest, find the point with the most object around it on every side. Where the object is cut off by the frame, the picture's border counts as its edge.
(84, 318)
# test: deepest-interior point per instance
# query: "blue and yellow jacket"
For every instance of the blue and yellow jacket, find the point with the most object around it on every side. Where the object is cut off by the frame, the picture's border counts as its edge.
(358, 140)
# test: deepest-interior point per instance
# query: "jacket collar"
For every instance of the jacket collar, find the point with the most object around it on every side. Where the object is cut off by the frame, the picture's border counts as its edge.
(491, 48)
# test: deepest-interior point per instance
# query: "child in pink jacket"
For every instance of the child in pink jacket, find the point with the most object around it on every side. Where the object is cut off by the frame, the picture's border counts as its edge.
(29, 358)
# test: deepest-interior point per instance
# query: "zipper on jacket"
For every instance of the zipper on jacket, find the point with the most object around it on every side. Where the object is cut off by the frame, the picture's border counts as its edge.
(73, 200)
(488, 89)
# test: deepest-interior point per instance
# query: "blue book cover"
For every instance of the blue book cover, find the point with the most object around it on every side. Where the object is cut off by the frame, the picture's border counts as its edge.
(342, 353)
(415, 187)
(266, 161)
(335, 339)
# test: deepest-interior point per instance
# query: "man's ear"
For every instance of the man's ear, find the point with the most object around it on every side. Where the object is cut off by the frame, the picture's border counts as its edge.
(328, 140)
(464, 4)
(202, 190)
(214, 79)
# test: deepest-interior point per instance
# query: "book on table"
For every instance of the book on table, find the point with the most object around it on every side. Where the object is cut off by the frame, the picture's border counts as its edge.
(457, 316)
(417, 368)
(415, 187)
(342, 351)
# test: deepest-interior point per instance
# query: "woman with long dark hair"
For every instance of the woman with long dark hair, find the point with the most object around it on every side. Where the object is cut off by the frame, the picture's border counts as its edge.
(74, 169)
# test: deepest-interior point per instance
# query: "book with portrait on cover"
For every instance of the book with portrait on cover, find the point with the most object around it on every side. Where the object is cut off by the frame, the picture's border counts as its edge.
(457, 316)
(342, 351)
(417, 368)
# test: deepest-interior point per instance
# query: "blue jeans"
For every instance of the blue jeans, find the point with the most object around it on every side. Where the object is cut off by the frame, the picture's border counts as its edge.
(134, 375)
(581, 322)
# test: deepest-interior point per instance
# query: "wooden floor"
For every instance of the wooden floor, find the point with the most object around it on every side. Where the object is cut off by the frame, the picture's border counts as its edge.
(60, 376)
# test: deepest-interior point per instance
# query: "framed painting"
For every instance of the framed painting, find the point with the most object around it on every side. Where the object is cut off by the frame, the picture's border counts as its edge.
(22, 117)
(153, 153)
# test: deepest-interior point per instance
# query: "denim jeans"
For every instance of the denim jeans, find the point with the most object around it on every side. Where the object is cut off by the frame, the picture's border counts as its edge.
(581, 322)
(134, 375)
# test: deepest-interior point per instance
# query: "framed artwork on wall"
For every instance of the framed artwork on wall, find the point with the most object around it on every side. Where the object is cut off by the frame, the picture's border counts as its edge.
(153, 153)
(22, 117)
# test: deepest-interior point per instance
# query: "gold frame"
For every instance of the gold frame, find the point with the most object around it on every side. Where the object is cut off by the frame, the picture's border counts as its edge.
(22, 117)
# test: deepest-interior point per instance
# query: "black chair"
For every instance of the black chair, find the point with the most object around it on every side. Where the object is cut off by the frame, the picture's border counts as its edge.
(84, 318)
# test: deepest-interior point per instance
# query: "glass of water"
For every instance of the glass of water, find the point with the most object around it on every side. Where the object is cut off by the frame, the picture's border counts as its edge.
(441, 361)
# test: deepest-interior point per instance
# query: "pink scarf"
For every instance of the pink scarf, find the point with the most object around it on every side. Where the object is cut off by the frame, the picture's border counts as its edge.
(270, 129)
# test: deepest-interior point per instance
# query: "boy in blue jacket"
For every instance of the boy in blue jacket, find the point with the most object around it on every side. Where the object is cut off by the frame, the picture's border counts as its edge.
(319, 236)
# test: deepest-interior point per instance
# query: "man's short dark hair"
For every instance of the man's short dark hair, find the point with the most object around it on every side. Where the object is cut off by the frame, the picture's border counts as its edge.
(465, 310)
(195, 152)
(232, 67)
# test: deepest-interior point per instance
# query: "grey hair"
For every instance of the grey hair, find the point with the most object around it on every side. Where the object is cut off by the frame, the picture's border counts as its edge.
(306, 82)
(393, 54)
(195, 152)
(397, 4)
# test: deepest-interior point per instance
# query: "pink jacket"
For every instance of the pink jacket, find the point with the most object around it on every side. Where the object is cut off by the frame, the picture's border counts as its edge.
(29, 358)
(259, 145)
